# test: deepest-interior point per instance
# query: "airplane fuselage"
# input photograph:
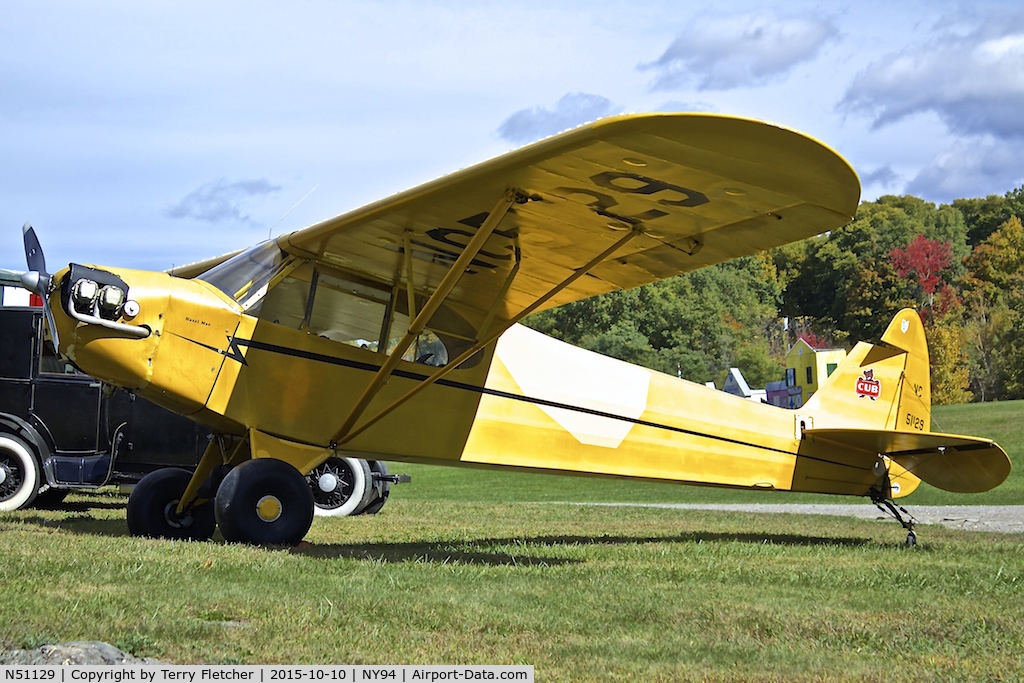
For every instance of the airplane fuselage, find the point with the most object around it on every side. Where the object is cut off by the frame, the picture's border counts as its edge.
(526, 401)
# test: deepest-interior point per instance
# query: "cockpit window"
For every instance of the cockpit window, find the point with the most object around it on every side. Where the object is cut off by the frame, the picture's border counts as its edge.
(246, 277)
(342, 307)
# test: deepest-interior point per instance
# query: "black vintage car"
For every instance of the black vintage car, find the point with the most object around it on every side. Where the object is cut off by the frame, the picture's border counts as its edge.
(61, 430)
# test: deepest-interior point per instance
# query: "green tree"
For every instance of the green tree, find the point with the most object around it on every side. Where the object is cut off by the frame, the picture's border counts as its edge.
(994, 314)
(948, 350)
(983, 216)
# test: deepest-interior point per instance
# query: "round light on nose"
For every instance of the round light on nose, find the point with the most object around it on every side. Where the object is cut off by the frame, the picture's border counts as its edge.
(111, 297)
(84, 294)
(131, 308)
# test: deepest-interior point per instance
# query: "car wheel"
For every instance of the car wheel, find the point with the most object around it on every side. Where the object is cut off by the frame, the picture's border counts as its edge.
(380, 489)
(340, 486)
(20, 476)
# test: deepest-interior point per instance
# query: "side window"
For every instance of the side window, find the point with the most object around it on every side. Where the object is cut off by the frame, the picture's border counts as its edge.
(349, 310)
(810, 374)
(830, 368)
(790, 377)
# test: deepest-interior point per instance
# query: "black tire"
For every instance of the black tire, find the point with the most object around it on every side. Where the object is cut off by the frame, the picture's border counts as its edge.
(379, 490)
(264, 502)
(152, 505)
(340, 486)
(20, 476)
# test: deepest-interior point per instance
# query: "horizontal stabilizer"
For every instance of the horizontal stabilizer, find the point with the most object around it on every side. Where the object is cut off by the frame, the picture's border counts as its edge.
(961, 464)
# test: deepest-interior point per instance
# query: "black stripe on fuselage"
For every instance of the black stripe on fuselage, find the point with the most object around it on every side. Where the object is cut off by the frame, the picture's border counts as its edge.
(405, 374)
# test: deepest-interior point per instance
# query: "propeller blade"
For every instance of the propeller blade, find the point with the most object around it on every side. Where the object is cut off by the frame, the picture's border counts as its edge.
(37, 279)
(51, 324)
(34, 251)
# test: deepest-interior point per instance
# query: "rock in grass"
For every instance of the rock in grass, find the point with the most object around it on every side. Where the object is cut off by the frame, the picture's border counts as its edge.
(90, 652)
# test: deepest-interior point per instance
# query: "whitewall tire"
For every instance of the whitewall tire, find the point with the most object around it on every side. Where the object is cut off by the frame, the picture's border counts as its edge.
(20, 476)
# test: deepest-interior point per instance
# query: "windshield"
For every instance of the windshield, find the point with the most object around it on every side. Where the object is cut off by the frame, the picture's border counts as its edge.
(245, 277)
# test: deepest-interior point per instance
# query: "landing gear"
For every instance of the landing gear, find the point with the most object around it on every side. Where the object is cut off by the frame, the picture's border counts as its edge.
(19, 474)
(152, 508)
(264, 501)
(900, 514)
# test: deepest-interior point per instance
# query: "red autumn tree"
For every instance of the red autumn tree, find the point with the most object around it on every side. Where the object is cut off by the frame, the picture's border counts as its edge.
(925, 258)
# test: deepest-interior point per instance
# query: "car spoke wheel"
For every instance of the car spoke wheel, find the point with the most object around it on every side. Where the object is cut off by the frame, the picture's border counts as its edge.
(19, 474)
(340, 486)
(153, 504)
(264, 502)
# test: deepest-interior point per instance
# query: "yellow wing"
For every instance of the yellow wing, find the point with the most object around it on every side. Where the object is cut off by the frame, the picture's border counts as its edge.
(703, 189)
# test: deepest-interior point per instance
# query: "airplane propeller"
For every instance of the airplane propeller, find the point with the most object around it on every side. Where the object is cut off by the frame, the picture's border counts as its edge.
(37, 280)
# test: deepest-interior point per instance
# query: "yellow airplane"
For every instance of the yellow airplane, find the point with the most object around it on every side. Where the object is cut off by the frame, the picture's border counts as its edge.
(390, 333)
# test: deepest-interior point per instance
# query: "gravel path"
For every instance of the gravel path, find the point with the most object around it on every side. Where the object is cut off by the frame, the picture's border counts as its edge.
(999, 518)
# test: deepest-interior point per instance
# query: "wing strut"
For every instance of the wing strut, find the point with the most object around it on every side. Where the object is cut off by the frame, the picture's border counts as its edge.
(417, 326)
(345, 435)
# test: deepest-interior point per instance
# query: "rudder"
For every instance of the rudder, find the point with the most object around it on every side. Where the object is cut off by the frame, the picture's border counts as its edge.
(879, 387)
(906, 332)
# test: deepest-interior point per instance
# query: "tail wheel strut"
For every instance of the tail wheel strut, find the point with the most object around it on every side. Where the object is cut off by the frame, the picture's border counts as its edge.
(899, 513)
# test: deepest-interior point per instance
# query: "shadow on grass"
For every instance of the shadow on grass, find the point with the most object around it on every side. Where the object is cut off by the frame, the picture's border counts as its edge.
(523, 551)
(482, 551)
(85, 505)
(81, 524)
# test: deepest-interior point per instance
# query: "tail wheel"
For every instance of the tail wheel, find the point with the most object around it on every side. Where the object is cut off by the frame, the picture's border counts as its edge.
(265, 502)
(379, 490)
(20, 478)
(153, 504)
(340, 486)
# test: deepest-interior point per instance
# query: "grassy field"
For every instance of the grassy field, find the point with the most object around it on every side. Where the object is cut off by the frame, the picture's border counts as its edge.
(463, 568)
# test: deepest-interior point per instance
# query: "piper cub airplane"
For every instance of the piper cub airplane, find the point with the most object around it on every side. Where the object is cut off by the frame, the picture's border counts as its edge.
(390, 333)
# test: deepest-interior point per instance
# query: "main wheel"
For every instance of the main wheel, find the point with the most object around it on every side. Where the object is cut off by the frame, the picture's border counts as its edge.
(340, 486)
(265, 502)
(379, 490)
(152, 508)
(19, 473)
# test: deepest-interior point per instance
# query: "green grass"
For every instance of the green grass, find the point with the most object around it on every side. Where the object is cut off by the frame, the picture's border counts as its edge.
(461, 567)
(581, 593)
(1003, 422)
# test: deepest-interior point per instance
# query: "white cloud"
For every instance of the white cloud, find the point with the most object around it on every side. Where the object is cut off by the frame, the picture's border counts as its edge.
(721, 53)
(971, 168)
(527, 125)
(974, 82)
(220, 200)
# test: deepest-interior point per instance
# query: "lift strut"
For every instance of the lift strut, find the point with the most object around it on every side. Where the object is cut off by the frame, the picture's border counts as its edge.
(418, 324)
(344, 436)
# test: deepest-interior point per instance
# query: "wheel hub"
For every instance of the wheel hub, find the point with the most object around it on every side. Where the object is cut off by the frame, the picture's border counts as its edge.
(3, 473)
(174, 520)
(327, 482)
(269, 508)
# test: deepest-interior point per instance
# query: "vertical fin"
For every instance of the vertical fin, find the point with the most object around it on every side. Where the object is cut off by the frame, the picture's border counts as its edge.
(879, 387)
(906, 332)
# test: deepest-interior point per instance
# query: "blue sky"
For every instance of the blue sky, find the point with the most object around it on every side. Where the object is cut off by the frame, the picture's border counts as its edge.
(152, 134)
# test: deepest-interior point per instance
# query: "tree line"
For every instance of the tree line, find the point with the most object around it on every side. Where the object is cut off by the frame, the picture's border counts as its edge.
(961, 265)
